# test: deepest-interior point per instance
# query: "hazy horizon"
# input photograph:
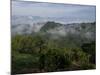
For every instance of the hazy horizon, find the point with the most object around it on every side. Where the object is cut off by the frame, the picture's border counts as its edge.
(55, 12)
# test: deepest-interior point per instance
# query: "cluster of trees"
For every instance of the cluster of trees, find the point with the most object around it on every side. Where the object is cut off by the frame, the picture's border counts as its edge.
(50, 25)
(33, 54)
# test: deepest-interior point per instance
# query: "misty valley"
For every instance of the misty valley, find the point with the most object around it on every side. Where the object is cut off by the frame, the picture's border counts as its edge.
(52, 37)
(52, 46)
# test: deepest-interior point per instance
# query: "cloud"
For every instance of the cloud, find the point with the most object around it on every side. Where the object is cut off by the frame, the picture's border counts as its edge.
(80, 12)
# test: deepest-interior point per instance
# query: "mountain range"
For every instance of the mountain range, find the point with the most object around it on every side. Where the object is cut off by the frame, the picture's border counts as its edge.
(59, 34)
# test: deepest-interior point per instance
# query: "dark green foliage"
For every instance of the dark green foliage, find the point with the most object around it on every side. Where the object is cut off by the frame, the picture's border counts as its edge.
(49, 25)
(83, 25)
(90, 49)
(21, 62)
(38, 53)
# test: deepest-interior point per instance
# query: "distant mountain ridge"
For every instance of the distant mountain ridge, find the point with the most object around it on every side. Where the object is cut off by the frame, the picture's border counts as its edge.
(26, 25)
(50, 25)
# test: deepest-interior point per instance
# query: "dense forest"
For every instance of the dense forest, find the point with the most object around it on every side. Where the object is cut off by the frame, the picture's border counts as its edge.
(55, 47)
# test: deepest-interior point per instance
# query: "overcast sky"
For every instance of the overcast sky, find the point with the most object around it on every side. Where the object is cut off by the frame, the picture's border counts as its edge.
(80, 12)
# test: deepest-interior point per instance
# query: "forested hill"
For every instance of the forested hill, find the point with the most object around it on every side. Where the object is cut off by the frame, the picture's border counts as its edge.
(50, 25)
(51, 47)
(53, 28)
(71, 35)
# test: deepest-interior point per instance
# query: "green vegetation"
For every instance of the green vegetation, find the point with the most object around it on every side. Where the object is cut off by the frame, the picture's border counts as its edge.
(49, 25)
(32, 54)
(38, 53)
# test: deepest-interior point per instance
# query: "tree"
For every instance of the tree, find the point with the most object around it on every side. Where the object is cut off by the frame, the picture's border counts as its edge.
(90, 49)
